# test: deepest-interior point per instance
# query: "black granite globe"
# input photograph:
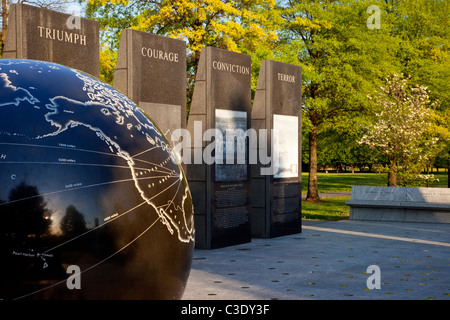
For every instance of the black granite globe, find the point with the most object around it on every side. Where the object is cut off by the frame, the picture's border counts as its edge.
(93, 202)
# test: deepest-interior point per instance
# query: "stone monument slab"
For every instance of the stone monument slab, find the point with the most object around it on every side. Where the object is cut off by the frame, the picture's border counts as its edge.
(276, 197)
(218, 174)
(408, 204)
(151, 71)
(41, 34)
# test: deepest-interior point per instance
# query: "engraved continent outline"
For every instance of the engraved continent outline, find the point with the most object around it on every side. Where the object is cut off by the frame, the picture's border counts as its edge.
(109, 102)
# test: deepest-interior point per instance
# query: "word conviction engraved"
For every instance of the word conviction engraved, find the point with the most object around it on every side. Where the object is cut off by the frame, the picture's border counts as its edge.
(159, 54)
(61, 35)
(223, 66)
(286, 77)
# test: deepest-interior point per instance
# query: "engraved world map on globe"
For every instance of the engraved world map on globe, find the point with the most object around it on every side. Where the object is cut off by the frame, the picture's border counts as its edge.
(86, 180)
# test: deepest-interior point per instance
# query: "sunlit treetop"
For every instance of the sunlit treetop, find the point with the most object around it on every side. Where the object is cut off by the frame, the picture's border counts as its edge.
(225, 24)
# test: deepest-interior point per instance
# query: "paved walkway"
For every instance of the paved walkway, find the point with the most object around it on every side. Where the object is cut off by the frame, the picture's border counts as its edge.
(329, 260)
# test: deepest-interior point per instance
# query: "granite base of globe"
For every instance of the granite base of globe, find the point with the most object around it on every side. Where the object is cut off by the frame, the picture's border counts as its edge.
(93, 203)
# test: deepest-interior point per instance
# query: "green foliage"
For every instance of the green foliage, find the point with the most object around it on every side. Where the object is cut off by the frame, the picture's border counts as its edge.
(405, 130)
(108, 60)
(342, 60)
(422, 28)
(241, 26)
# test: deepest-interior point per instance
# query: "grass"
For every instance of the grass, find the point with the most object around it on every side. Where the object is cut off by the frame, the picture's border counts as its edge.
(328, 209)
(340, 182)
(335, 208)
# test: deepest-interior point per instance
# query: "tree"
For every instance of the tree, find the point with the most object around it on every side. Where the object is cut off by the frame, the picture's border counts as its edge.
(405, 129)
(338, 145)
(73, 222)
(26, 214)
(342, 61)
(422, 29)
(231, 25)
(108, 60)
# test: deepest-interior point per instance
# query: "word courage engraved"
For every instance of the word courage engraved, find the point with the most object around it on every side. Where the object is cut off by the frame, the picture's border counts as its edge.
(159, 54)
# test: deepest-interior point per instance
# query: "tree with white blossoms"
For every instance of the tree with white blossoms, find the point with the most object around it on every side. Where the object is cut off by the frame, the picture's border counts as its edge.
(405, 130)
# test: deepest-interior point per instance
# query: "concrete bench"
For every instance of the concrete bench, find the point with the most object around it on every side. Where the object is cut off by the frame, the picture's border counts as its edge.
(400, 204)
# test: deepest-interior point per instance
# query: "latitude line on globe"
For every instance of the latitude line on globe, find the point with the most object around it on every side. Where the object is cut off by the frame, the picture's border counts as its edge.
(170, 172)
(95, 265)
(154, 164)
(59, 147)
(68, 163)
(178, 180)
(99, 226)
(138, 154)
(78, 163)
(158, 177)
(167, 205)
(93, 229)
(77, 188)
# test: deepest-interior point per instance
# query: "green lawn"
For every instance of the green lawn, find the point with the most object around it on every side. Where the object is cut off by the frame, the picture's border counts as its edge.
(335, 208)
(328, 209)
(338, 182)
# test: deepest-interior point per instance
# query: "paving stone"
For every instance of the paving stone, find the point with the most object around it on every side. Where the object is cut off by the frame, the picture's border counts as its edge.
(328, 261)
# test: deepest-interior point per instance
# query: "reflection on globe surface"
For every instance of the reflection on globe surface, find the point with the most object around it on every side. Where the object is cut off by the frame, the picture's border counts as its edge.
(92, 202)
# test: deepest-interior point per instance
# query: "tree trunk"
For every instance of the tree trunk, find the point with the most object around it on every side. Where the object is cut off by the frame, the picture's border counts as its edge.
(392, 175)
(313, 193)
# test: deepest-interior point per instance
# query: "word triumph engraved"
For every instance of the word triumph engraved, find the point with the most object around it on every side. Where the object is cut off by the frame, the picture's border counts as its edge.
(62, 35)
(41, 34)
